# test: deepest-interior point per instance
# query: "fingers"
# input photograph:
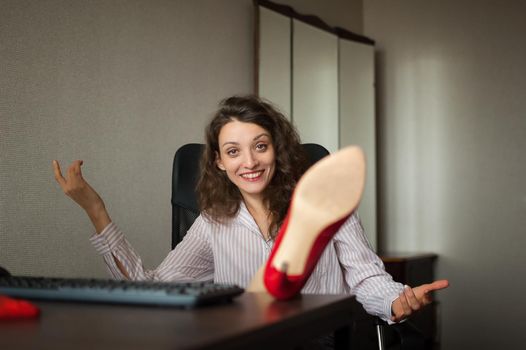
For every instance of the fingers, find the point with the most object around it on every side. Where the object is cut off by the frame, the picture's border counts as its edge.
(437, 285)
(58, 174)
(424, 290)
(412, 300)
(74, 169)
(74, 176)
(408, 302)
(405, 303)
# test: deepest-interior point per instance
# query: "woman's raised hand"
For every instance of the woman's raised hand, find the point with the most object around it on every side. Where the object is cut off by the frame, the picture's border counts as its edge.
(75, 187)
(413, 299)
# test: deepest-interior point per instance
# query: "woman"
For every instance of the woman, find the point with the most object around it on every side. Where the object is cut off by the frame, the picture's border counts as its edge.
(252, 162)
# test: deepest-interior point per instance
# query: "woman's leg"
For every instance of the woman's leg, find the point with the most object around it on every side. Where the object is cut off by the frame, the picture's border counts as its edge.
(324, 198)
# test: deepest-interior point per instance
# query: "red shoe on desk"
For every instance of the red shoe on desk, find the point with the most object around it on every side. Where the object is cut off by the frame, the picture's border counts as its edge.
(15, 309)
(324, 198)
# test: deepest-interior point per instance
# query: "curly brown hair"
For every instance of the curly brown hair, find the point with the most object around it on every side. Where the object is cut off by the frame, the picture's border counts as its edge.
(219, 198)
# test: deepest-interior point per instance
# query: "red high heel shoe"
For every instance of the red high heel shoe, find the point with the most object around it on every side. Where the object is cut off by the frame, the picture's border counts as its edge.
(324, 198)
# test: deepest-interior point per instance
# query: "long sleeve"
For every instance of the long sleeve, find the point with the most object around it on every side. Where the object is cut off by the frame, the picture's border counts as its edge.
(364, 271)
(191, 260)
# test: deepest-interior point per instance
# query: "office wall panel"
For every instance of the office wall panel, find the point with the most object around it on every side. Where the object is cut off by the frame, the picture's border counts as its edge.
(315, 85)
(274, 68)
(357, 118)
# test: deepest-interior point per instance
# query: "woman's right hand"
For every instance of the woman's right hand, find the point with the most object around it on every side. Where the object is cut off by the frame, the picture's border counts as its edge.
(75, 187)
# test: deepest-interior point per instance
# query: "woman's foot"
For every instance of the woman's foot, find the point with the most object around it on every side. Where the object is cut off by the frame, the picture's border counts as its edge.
(326, 195)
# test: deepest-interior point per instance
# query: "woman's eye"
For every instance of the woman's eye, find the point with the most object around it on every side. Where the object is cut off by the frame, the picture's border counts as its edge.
(231, 152)
(261, 146)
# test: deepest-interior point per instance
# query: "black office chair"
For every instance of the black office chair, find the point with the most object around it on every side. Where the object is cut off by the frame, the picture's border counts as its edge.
(185, 210)
(185, 173)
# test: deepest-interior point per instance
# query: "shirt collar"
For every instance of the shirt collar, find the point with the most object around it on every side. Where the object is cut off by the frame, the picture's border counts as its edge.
(245, 219)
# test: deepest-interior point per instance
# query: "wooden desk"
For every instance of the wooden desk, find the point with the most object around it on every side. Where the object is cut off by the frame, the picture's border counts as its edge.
(252, 321)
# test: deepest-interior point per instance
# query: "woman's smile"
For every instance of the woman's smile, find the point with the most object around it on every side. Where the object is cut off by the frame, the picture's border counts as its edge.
(252, 176)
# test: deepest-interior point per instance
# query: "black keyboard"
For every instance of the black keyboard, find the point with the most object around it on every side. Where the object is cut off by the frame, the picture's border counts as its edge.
(185, 295)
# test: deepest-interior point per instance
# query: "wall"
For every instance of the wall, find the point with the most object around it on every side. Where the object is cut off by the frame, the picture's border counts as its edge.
(121, 85)
(452, 133)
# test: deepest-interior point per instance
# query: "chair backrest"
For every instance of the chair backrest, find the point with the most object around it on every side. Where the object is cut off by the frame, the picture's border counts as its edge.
(185, 174)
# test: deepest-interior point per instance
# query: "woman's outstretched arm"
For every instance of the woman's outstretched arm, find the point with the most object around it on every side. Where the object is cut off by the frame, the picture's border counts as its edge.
(78, 189)
(191, 260)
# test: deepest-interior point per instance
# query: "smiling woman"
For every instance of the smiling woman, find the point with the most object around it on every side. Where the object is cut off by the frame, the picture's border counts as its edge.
(252, 164)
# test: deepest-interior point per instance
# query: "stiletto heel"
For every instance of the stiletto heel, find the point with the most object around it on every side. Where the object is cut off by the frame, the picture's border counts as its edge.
(282, 276)
(324, 198)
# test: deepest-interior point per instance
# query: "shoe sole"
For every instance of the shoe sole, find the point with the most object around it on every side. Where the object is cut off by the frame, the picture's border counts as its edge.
(330, 190)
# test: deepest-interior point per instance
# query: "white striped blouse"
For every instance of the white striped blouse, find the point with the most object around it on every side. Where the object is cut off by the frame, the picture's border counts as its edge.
(232, 253)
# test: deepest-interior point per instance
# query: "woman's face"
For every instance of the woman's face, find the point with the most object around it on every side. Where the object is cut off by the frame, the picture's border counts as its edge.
(247, 156)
